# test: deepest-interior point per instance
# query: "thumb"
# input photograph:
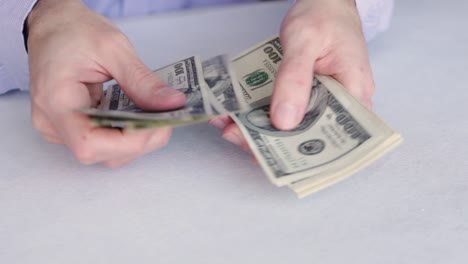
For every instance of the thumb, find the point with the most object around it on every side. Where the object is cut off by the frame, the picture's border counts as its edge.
(140, 84)
(293, 83)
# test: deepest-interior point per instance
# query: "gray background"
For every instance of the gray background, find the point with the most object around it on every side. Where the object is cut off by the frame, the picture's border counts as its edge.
(202, 200)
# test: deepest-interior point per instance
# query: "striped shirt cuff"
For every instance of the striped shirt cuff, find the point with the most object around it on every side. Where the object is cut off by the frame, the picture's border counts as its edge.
(14, 73)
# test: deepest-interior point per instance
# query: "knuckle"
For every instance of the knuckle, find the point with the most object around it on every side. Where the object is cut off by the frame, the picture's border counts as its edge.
(293, 23)
(115, 37)
(159, 139)
(54, 101)
(300, 83)
(295, 65)
(368, 93)
(37, 121)
(301, 26)
(38, 125)
(163, 141)
(115, 164)
(38, 96)
(52, 139)
(139, 74)
(112, 42)
(296, 74)
(134, 145)
(84, 153)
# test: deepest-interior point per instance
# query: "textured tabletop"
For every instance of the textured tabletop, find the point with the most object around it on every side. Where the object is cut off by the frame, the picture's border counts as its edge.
(202, 200)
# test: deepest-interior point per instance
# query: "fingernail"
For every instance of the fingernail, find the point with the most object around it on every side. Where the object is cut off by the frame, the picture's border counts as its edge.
(233, 138)
(287, 116)
(168, 92)
(218, 123)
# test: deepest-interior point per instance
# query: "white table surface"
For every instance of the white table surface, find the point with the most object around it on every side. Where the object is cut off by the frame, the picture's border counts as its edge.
(202, 200)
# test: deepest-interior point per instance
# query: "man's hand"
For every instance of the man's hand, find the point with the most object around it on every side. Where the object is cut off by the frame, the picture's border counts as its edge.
(72, 51)
(321, 36)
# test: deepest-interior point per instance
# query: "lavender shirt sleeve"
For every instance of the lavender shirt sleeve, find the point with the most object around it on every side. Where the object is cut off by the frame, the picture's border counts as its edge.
(13, 57)
(14, 74)
(375, 16)
(124, 8)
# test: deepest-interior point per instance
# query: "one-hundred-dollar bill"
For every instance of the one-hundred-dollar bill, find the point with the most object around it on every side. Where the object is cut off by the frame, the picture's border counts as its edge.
(143, 124)
(256, 70)
(318, 182)
(223, 86)
(336, 135)
(185, 75)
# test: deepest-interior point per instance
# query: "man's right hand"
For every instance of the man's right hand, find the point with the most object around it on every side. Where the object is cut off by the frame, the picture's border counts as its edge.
(72, 52)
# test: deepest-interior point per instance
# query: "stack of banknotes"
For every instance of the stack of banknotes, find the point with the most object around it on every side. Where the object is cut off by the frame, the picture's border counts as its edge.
(338, 136)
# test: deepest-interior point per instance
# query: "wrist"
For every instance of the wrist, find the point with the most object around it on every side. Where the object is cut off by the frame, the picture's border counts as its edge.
(37, 23)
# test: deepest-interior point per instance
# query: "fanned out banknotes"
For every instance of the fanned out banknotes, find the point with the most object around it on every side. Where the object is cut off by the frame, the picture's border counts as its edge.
(338, 136)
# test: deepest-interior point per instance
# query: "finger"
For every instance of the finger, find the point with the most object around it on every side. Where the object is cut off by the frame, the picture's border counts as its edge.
(221, 121)
(52, 139)
(95, 92)
(153, 143)
(92, 144)
(41, 123)
(88, 143)
(233, 134)
(139, 83)
(293, 84)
